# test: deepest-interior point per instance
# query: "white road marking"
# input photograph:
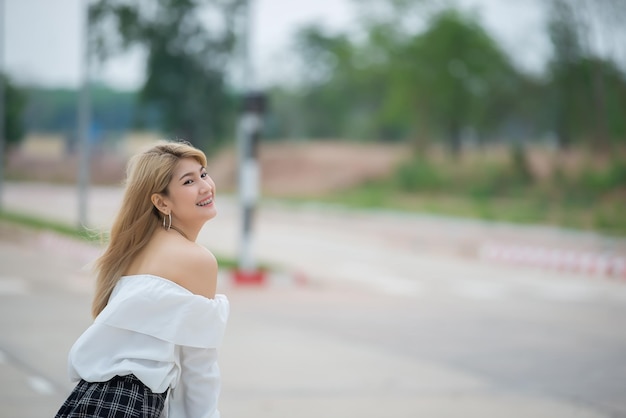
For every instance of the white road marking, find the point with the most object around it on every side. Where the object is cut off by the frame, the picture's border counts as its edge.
(41, 385)
(13, 286)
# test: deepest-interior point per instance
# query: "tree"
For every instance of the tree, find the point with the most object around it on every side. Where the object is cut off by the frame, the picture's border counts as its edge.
(187, 58)
(14, 102)
(328, 88)
(587, 85)
(454, 76)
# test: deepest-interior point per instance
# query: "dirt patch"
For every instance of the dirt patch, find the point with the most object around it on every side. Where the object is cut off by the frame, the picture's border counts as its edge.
(287, 168)
(312, 168)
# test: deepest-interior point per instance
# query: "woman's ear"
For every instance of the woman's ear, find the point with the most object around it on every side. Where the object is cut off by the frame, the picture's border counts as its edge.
(159, 202)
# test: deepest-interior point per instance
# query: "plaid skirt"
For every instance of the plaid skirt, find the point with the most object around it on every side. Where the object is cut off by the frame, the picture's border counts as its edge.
(120, 397)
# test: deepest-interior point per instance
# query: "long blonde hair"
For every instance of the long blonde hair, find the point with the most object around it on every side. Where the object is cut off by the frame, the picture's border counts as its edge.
(147, 173)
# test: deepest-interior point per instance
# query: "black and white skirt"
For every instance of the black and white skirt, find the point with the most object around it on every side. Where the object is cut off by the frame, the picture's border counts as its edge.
(120, 397)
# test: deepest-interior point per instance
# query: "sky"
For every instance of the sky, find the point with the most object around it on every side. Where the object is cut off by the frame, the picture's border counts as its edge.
(43, 38)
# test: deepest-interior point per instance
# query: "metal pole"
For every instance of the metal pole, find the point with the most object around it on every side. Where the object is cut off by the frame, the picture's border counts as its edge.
(248, 168)
(248, 137)
(3, 142)
(84, 120)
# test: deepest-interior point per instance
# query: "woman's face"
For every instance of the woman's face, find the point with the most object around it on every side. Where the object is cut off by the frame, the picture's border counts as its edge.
(190, 194)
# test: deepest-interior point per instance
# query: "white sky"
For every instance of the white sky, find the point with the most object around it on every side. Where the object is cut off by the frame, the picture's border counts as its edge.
(43, 37)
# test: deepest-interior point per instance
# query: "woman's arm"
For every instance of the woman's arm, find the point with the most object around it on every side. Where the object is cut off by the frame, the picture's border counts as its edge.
(197, 392)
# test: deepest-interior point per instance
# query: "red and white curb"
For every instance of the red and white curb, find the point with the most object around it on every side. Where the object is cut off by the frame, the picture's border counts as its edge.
(263, 278)
(581, 262)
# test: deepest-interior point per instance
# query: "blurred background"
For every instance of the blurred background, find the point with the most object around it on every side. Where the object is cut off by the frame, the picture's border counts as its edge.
(446, 179)
(470, 108)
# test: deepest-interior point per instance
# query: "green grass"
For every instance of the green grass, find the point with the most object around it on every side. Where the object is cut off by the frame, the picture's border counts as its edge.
(33, 222)
(523, 206)
(38, 224)
(504, 189)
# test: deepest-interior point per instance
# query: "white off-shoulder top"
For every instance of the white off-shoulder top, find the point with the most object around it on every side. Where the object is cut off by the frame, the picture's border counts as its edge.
(163, 334)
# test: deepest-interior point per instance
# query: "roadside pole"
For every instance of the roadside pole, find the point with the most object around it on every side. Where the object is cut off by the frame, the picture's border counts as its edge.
(249, 129)
(248, 137)
(3, 142)
(84, 120)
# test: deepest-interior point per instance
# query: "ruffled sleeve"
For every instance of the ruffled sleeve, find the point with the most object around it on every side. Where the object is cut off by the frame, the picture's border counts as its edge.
(160, 308)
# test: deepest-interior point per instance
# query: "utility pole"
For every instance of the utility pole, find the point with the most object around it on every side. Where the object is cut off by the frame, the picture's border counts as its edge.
(248, 137)
(3, 142)
(84, 121)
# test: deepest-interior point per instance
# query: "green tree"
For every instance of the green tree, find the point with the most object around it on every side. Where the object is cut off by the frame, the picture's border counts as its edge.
(456, 77)
(187, 58)
(14, 102)
(328, 93)
(395, 81)
(586, 82)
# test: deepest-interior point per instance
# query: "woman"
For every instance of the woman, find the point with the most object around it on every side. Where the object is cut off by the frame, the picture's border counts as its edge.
(152, 349)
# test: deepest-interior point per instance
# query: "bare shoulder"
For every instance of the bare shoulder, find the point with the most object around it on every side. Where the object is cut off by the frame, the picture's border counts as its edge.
(195, 268)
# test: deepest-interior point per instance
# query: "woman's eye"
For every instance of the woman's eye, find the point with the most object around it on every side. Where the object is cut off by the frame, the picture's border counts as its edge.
(188, 182)
(204, 175)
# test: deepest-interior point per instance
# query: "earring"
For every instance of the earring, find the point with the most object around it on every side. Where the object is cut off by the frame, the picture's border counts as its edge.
(169, 225)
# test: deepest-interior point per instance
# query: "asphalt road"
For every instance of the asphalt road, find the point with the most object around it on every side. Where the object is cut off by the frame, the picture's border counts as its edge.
(391, 321)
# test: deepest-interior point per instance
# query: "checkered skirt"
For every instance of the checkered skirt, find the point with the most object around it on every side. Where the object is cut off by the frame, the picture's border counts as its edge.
(120, 397)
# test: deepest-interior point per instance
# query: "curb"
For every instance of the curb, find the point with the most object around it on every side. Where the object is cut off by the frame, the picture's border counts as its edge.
(581, 262)
(264, 278)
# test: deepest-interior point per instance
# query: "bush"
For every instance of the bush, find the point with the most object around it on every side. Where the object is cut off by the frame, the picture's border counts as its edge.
(596, 182)
(420, 175)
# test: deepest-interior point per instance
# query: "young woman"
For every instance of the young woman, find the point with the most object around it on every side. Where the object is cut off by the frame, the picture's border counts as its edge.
(152, 349)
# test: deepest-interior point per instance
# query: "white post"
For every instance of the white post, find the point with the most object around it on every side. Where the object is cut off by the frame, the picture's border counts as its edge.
(3, 142)
(248, 133)
(249, 126)
(84, 120)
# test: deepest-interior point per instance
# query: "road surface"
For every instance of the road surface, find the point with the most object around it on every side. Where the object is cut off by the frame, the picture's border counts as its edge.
(391, 321)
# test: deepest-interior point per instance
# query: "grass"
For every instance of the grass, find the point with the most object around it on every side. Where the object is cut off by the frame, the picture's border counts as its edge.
(593, 216)
(83, 234)
(504, 187)
(33, 222)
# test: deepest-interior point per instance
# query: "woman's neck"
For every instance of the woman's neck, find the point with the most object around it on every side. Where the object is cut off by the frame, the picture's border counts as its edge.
(180, 232)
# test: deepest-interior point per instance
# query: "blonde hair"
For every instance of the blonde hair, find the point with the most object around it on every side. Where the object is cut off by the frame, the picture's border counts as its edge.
(147, 173)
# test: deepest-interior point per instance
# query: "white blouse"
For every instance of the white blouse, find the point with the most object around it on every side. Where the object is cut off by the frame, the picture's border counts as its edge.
(163, 334)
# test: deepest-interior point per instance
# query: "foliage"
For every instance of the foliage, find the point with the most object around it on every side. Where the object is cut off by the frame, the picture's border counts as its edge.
(401, 84)
(503, 186)
(14, 101)
(414, 71)
(482, 178)
(456, 76)
(189, 45)
(588, 91)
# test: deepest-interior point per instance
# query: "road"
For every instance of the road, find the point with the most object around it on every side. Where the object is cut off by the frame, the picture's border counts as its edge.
(391, 322)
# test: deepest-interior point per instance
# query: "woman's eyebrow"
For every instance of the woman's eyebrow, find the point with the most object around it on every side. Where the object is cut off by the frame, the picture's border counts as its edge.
(191, 173)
